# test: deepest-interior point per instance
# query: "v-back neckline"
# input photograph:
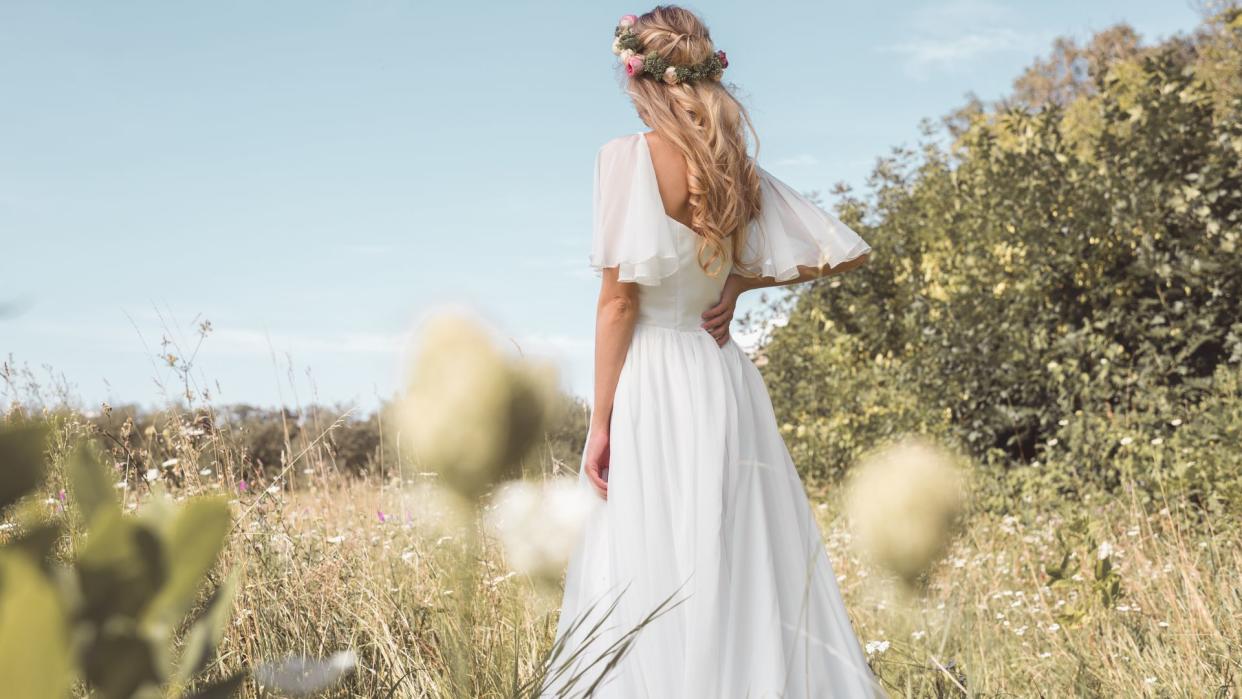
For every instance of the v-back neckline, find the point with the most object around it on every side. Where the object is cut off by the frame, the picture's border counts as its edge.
(651, 169)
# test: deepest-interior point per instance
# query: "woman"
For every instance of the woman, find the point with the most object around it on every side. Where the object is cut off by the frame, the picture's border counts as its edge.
(704, 573)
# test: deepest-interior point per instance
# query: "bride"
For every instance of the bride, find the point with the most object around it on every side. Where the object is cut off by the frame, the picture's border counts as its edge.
(704, 573)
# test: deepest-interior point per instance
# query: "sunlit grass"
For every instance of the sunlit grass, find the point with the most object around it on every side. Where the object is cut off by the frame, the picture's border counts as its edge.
(339, 562)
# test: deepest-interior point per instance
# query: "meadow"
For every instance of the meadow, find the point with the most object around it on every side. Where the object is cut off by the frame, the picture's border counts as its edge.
(1018, 606)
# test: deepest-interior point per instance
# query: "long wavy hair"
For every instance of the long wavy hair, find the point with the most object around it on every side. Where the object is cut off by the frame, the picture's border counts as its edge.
(708, 125)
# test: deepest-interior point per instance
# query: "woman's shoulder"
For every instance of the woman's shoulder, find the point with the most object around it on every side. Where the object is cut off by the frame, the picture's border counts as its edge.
(620, 143)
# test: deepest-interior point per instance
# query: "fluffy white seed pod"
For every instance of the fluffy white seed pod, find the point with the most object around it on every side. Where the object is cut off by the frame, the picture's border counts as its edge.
(539, 524)
(904, 503)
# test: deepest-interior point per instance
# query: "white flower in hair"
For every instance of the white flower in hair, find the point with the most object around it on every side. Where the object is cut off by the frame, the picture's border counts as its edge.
(625, 55)
(670, 75)
(616, 45)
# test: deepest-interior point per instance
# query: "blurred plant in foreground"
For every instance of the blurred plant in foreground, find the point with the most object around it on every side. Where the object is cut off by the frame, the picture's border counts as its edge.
(905, 501)
(109, 616)
(538, 526)
(469, 412)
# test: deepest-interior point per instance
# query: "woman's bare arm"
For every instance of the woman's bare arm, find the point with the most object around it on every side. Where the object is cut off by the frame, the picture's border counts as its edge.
(615, 316)
(717, 318)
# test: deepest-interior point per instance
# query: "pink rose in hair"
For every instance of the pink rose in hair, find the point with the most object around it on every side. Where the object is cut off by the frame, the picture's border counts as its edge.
(628, 20)
(724, 60)
(634, 65)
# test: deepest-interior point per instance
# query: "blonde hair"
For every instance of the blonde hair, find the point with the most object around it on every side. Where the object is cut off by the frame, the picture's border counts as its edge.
(708, 125)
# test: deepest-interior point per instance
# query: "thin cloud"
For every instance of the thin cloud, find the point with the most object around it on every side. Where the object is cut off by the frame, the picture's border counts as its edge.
(955, 33)
(369, 248)
(799, 160)
(258, 342)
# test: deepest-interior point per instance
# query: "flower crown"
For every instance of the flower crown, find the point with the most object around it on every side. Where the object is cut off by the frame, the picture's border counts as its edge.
(627, 48)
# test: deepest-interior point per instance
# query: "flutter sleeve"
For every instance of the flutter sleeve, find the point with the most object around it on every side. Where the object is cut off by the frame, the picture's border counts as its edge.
(631, 231)
(791, 231)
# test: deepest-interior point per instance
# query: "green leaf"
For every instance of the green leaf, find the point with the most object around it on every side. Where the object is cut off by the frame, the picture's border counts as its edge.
(119, 662)
(22, 463)
(34, 639)
(220, 689)
(38, 542)
(195, 540)
(205, 634)
(92, 489)
(121, 567)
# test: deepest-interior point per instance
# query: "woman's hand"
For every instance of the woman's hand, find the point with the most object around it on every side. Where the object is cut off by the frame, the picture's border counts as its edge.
(716, 319)
(597, 454)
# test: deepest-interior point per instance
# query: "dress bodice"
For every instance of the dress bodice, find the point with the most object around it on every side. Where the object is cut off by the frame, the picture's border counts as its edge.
(679, 300)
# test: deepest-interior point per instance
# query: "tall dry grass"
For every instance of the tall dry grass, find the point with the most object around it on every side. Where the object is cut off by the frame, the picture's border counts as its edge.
(1017, 607)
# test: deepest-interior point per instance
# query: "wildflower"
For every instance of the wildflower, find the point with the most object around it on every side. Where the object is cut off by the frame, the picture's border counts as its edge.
(242, 486)
(538, 525)
(1045, 654)
(904, 502)
(168, 463)
(876, 647)
(1149, 680)
(151, 474)
(273, 489)
(1157, 441)
(204, 472)
(1176, 422)
(1054, 627)
(379, 514)
(1125, 441)
(335, 539)
(1105, 550)
(918, 635)
(121, 485)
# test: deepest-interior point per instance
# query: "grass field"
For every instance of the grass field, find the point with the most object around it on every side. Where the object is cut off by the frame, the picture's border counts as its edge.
(1144, 605)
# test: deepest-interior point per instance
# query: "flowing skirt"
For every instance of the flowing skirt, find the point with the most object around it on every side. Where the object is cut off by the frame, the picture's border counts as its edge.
(707, 526)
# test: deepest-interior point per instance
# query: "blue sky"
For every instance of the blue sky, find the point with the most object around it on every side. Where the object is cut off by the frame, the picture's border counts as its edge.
(314, 177)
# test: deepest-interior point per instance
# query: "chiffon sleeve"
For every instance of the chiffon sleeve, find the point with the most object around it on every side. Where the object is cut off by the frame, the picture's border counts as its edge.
(631, 231)
(791, 231)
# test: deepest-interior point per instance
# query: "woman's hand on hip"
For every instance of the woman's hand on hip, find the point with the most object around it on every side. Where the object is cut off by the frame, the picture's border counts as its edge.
(716, 319)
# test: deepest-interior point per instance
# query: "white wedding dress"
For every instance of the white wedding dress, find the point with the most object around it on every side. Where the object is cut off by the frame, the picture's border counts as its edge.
(704, 508)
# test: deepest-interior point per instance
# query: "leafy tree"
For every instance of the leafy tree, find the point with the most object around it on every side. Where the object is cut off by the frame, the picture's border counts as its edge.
(1063, 273)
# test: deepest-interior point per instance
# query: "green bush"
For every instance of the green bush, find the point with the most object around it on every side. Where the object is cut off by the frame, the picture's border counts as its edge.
(1067, 270)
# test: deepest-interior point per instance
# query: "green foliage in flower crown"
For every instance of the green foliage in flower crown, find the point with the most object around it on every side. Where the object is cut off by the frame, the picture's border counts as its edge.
(655, 65)
(1057, 293)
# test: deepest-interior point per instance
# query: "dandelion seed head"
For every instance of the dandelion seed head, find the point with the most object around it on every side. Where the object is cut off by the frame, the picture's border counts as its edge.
(904, 502)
